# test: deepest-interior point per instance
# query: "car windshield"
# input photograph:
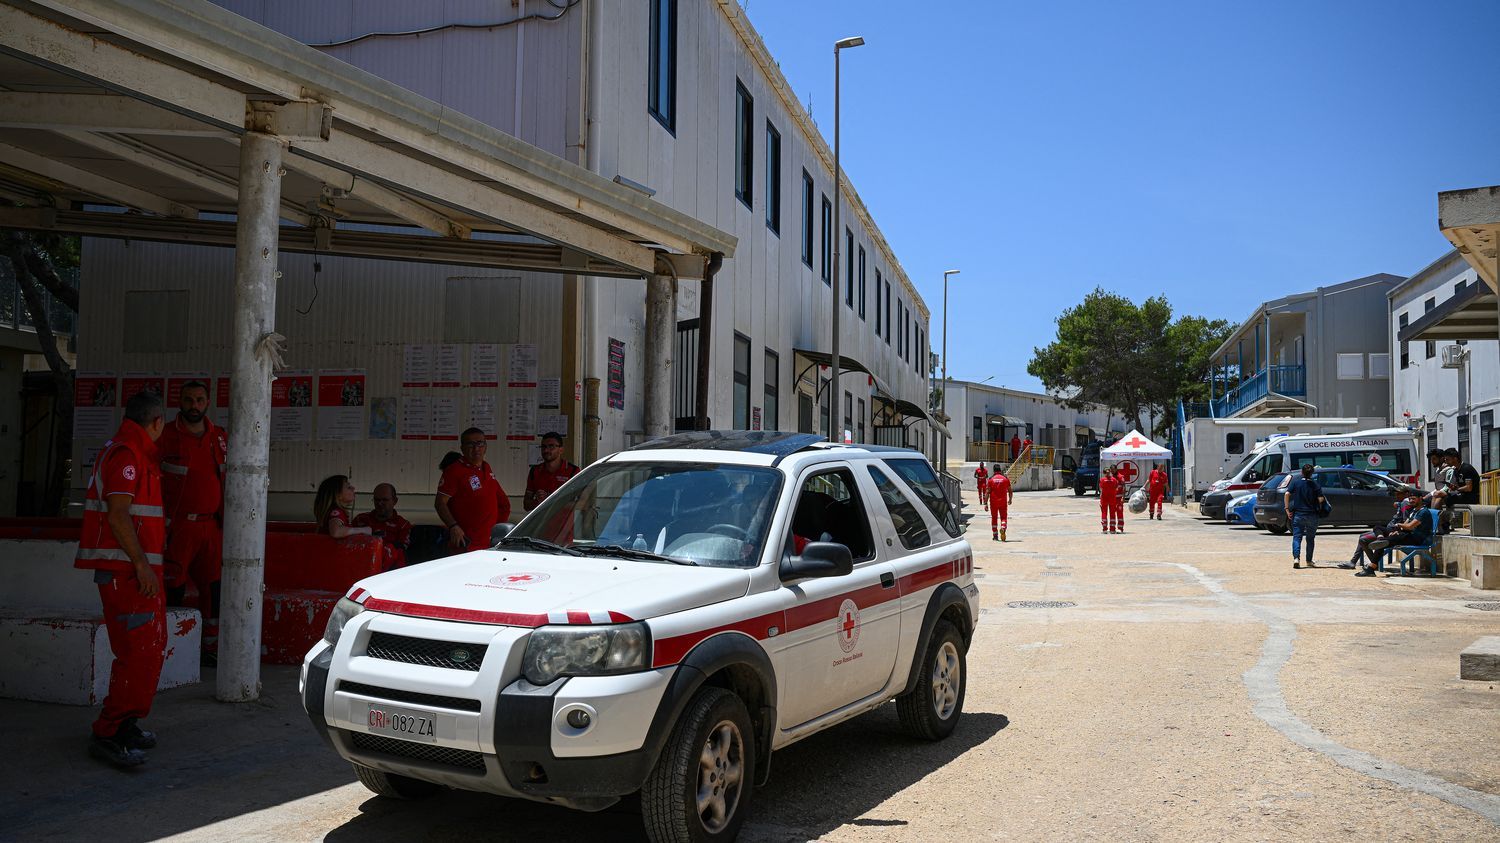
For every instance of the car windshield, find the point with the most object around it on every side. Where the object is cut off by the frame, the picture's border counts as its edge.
(692, 513)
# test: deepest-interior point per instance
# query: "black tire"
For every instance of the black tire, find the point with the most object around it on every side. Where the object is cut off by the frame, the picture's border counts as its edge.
(919, 708)
(1077, 490)
(392, 786)
(1277, 529)
(670, 807)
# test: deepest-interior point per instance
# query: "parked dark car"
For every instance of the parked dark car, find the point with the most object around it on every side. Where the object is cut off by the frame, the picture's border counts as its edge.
(1359, 498)
(1086, 476)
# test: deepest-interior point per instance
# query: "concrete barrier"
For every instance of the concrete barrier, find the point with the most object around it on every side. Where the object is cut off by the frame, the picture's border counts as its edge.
(1459, 550)
(1480, 661)
(63, 656)
(1484, 570)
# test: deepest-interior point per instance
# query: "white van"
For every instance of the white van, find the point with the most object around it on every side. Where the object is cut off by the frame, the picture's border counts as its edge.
(1389, 450)
(1214, 449)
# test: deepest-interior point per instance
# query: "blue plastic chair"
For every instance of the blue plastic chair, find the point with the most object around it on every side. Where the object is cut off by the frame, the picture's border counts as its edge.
(1412, 555)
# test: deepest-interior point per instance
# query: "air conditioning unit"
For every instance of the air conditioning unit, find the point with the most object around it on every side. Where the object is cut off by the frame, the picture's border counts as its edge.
(1453, 356)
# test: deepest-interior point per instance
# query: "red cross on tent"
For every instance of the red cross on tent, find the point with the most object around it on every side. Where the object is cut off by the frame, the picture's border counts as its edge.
(1128, 471)
(1136, 442)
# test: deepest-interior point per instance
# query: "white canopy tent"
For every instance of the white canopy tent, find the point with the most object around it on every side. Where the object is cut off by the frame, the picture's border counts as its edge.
(1134, 446)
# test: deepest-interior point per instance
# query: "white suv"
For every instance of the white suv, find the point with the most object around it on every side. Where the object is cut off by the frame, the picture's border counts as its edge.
(660, 624)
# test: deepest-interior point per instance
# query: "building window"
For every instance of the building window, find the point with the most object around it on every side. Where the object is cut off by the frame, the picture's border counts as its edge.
(1463, 437)
(771, 400)
(1234, 443)
(888, 312)
(1431, 349)
(741, 382)
(827, 241)
(861, 282)
(744, 145)
(849, 268)
(1405, 347)
(978, 429)
(859, 423)
(807, 219)
(824, 392)
(900, 336)
(878, 282)
(848, 422)
(662, 98)
(1487, 455)
(1351, 367)
(1380, 366)
(773, 178)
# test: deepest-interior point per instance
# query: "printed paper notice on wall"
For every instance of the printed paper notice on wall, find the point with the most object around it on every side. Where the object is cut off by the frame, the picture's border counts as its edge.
(134, 382)
(549, 393)
(416, 365)
(521, 421)
(616, 387)
(552, 423)
(484, 364)
(383, 417)
(447, 364)
(341, 404)
(292, 406)
(221, 400)
(177, 380)
(416, 417)
(522, 365)
(445, 418)
(95, 397)
(482, 414)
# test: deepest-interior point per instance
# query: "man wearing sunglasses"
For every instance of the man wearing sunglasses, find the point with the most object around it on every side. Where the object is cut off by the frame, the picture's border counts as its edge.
(548, 475)
(469, 498)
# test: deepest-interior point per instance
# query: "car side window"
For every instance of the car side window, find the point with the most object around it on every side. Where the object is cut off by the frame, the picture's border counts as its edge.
(924, 482)
(829, 510)
(909, 526)
(1362, 483)
(1331, 480)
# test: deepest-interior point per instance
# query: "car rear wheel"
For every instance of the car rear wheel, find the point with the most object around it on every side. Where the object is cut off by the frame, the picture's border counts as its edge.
(931, 709)
(392, 786)
(1277, 529)
(701, 785)
(1077, 490)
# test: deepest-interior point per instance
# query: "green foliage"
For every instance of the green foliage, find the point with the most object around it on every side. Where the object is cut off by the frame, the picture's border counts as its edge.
(1127, 357)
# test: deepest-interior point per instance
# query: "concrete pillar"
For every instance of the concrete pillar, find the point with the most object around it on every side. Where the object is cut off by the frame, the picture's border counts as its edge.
(661, 331)
(247, 477)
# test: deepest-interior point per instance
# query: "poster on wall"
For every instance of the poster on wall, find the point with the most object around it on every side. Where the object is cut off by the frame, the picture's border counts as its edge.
(416, 365)
(520, 418)
(416, 418)
(95, 396)
(484, 364)
(552, 423)
(383, 417)
(133, 382)
(177, 380)
(755, 415)
(447, 364)
(445, 418)
(616, 389)
(522, 366)
(292, 406)
(341, 404)
(482, 414)
(221, 400)
(549, 393)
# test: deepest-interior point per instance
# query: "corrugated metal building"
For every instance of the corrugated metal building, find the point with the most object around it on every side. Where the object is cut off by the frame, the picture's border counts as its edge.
(698, 112)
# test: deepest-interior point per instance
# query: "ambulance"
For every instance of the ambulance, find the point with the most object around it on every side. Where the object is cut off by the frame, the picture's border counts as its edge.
(1214, 449)
(1388, 450)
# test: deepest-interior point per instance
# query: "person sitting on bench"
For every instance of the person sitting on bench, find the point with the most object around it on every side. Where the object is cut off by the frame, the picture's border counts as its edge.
(1416, 532)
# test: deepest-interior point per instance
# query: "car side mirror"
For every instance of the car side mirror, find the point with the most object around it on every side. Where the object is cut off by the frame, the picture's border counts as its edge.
(500, 531)
(818, 559)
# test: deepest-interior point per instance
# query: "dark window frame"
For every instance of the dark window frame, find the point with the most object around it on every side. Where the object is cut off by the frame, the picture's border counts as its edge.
(807, 219)
(1405, 347)
(862, 282)
(741, 341)
(770, 399)
(849, 268)
(888, 312)
(773, 179)
(827, 226)
(664, 112)
(744, 145)
(879, 281)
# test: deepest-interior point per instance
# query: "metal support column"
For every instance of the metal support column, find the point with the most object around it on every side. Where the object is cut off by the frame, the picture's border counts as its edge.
(661, 330)
(247, 479)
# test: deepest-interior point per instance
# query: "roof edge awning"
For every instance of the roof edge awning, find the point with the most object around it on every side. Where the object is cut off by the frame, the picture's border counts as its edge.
(1470, 219)
(910, 410)
(846, 365)
(1473, 313)
(1004, 421)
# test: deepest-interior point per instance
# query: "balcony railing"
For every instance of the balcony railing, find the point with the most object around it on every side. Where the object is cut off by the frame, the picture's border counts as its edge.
(1284, 380)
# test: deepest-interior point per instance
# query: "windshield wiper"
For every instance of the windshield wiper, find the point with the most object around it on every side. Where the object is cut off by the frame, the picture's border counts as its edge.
(631, 553)
(539, 544)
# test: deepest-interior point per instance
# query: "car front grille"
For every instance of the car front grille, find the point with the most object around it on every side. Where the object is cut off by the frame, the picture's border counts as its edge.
(431, 753)
(447, 654)
(398, 695)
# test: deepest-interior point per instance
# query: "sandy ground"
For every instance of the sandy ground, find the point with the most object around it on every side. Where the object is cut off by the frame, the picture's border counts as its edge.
(1199, 689)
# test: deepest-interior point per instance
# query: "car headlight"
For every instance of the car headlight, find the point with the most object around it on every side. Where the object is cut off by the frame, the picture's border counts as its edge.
(554, 651)
(342, 612)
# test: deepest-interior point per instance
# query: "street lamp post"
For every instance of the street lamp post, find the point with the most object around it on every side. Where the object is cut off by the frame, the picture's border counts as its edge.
(943, 452)
(835, 394)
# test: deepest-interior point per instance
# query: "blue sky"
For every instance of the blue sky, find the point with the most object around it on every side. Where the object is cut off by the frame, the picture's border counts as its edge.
(1220, 154)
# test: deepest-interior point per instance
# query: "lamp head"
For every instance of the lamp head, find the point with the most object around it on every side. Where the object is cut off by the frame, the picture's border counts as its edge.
(949, 272)
(846, 43)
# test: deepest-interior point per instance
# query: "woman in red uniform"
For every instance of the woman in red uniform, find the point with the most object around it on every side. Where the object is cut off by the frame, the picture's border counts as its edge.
(981, 482)
(333, 507)
(1111, 502)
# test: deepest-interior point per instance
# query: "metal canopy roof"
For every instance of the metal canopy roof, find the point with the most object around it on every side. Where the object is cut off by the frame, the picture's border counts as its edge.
(1004, 421)
(846, 364)
(1471, 314)
(139, 104)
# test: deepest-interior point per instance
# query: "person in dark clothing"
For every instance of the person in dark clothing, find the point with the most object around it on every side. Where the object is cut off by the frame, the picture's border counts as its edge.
(1374, 543)
(1464, 490)
(1414, 532)
(1303, 500)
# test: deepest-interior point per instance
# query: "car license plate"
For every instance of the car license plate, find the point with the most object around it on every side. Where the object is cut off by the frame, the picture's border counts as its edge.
(407, 724)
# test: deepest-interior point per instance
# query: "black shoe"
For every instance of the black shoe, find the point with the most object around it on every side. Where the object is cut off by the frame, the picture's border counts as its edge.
(115, 753)
(134, 737)
(1296, 564)
(1365, 572)
(1346, 565)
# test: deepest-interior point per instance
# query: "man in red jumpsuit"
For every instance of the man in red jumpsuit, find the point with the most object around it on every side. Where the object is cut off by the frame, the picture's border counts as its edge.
(192, 451)
(1111, 502)
(981, 482)
(469, 498)
(124, 533)
(1156, 491)
(393, 530)
(1001, 496)
(1015, 447)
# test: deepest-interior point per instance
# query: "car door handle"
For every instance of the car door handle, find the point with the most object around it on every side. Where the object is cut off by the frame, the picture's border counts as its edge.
(887, 580)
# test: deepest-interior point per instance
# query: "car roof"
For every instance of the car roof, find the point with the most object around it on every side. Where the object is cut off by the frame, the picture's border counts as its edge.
(753, 447)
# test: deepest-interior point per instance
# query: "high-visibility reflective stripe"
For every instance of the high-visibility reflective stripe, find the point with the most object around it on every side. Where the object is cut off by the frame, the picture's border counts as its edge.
(115, 554)
(137, 509)
(174, 468)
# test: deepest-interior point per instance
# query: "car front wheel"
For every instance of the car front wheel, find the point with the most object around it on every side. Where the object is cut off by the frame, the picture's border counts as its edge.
(1277, 529)
(931, 709)
(393, 786)
(701, 785)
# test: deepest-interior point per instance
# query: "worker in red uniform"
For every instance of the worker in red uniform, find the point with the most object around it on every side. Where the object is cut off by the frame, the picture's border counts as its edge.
(1111, 501)
(1015, 447)
(1156, 491)
(193, 450)
(1001, 496)
(469, 498)
(982, 483)
(123, 536)
(384, 523)
(547, 476)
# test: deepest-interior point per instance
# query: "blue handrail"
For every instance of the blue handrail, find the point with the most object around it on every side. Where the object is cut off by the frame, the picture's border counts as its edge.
(1284, 380)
